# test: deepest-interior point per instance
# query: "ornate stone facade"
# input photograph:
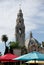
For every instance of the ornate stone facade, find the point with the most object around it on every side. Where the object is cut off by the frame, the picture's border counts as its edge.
(33, 45)
(20, 29)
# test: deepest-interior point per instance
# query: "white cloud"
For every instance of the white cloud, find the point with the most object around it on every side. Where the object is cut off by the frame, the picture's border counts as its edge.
(30, 26)
(40, 32)
(8, 15)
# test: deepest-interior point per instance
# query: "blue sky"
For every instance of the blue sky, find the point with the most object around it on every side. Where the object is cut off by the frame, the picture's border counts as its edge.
(33, 11)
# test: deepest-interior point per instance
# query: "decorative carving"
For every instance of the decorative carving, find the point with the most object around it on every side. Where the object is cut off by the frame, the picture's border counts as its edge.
(20, 29)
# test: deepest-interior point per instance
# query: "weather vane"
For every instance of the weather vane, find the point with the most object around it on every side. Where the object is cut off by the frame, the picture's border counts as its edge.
(20, 4)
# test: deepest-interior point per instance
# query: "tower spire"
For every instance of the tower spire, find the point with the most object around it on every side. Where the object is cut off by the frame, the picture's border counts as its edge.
(31, 34)
(20, 28)
(20, 6)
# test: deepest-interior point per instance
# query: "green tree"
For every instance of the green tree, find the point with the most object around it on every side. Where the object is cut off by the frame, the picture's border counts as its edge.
(4, 39)
(14, 45)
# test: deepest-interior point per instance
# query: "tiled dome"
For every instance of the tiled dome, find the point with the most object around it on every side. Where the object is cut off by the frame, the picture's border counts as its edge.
(31, 41)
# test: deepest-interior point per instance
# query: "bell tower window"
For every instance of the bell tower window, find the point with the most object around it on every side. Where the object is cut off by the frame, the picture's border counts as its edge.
(19, 22)
(19, 30)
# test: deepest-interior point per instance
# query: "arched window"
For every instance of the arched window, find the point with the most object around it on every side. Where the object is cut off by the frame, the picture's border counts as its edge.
(20, 31)
(19, 22)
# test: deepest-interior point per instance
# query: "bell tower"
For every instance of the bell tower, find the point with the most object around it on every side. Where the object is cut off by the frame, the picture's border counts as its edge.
(20, 29)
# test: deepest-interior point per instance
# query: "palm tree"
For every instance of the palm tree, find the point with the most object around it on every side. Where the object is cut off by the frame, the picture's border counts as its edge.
(4, 39)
